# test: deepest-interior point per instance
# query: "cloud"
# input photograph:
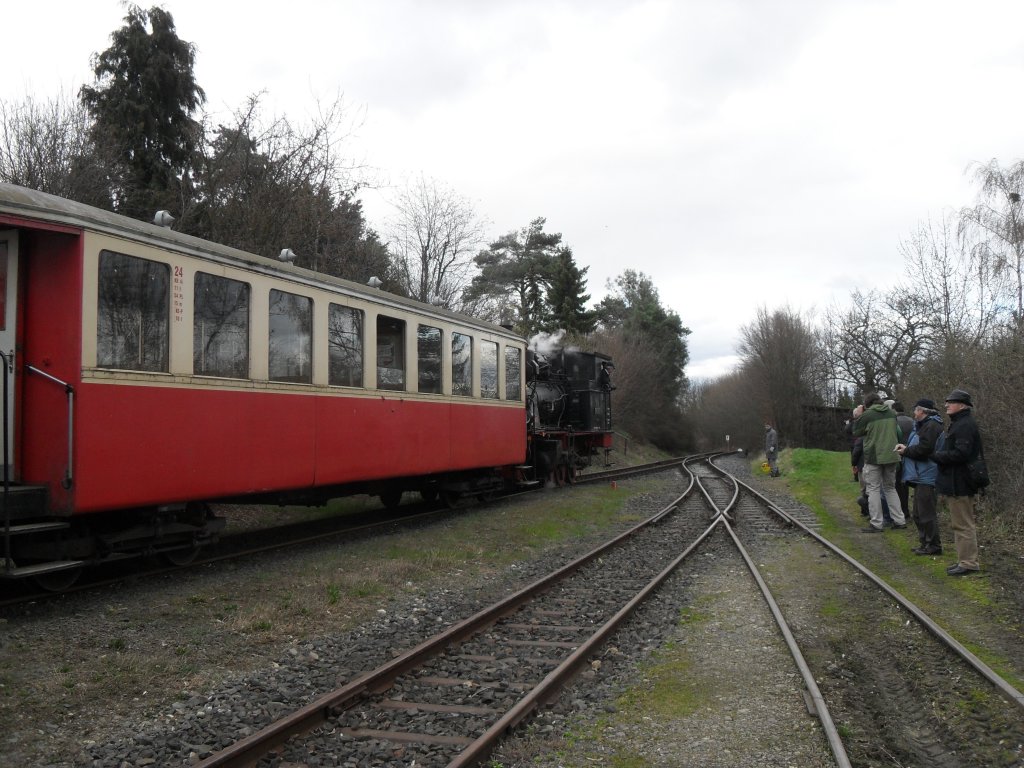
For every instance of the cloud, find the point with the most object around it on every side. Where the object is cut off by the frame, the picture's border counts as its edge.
(739, 153)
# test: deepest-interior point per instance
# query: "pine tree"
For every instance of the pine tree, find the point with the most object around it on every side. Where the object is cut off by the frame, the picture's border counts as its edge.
(522, 263)
(142, 106)
(566, 298)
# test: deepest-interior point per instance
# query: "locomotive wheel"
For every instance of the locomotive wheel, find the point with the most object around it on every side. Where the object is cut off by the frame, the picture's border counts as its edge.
(429, 495)
(450, 499)
(562, 475)
(58, 581)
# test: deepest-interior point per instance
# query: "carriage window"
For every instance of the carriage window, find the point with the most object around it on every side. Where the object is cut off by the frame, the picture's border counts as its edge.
(345, 346)
(428, 344)
(133, 314)
(291, 337)
(462, 364)
(390, 353)
(220, 331)
(489, 369)
(513, 355)
(513, 373)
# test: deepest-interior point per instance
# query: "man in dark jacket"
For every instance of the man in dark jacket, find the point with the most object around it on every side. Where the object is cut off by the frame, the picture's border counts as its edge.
(920, 472)
(959, 445)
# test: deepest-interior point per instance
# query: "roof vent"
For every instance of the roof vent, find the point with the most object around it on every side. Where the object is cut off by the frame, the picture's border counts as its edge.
(287, 254)
(163, 219)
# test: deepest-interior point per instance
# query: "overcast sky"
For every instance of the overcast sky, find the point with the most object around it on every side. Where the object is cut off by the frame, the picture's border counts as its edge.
(739, 152)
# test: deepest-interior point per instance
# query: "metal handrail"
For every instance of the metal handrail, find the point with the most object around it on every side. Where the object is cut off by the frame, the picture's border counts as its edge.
(70, 391)
(8, 562)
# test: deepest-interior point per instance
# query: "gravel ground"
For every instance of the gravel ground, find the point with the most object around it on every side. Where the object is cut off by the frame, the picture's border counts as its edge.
(80, 683)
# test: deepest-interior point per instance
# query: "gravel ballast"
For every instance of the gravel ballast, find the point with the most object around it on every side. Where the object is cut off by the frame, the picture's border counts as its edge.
(734, 693)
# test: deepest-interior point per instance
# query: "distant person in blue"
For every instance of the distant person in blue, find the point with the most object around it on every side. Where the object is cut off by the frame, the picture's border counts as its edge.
(876, 423)
(920, 473)
(771, 448)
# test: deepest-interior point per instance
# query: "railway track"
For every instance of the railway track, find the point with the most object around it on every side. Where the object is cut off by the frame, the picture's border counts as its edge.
(450, 700)
(915, 678)
(262, 541)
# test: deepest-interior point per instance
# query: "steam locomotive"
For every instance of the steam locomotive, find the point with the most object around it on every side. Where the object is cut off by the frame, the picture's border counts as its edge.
(569, 413)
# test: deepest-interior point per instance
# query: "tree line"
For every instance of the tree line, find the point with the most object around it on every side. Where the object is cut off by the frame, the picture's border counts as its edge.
(954, 320)
(135, 141)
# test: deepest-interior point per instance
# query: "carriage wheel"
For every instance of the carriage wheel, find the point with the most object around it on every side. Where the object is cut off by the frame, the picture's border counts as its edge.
(58, 581)
(196, 513)
(181, 556)
(391, 499)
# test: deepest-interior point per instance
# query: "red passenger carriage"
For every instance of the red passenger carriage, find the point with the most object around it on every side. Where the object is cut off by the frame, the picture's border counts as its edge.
(151, 372)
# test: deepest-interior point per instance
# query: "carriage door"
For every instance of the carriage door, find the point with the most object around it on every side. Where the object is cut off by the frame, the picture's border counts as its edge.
(8, 314)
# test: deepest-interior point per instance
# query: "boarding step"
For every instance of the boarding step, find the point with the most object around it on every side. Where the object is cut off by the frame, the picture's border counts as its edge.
(23, 500)
(23, 528)
(39, 569)
(523, 470)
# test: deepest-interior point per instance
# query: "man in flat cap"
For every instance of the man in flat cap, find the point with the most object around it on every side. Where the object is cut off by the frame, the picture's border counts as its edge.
(959, 445)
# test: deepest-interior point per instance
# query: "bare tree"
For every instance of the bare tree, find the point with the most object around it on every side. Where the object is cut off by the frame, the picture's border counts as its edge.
(953, 285)
(998, 218)
(46, 146)
(874, 343)
(640, 404)
(779, 350)
(265, 185)
(434, 234)
(712, 407)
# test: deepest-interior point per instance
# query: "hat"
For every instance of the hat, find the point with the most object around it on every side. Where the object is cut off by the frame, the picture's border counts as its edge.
(960, 396)
(924, 402)
(890, 403)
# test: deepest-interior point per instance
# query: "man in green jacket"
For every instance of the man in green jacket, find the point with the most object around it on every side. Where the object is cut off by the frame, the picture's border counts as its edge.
(876, 423)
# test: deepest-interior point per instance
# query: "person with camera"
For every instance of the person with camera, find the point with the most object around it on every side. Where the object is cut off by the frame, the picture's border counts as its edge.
(956, 448)
(920, 472)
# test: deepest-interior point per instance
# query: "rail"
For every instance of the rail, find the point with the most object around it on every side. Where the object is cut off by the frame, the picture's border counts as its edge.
(70, 392)
(1017, 697)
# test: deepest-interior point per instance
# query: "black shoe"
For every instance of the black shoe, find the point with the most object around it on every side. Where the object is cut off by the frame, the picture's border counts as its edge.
(871, 529)
(951, 567)
(899, 526)
(959, 571)
(926, 551)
